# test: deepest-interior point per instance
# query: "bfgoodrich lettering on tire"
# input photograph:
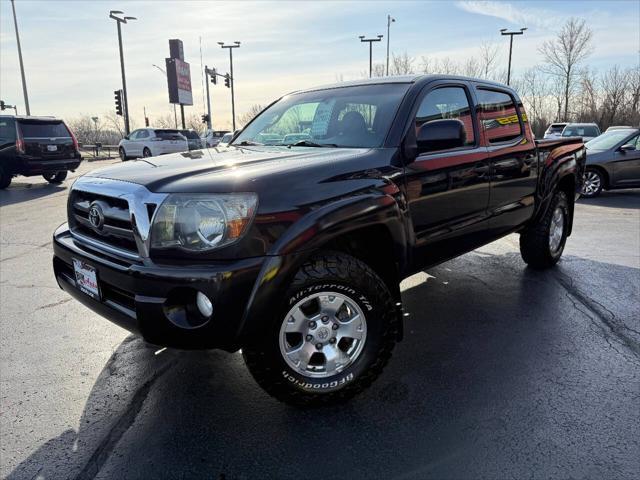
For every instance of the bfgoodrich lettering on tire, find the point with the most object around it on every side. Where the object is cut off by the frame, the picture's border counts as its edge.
(330, 337)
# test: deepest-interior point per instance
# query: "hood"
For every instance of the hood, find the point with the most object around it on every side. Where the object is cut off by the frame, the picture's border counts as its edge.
(222, 170)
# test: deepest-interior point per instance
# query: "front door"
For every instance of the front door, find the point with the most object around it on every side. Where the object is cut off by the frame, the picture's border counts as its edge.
(448, 190)
(626, 169)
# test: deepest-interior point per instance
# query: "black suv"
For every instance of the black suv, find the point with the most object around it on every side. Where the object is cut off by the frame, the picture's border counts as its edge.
(293, 251)
(36, 146)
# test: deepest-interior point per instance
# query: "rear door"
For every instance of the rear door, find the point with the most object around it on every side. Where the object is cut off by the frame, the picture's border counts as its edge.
(512, 156)
(132, 145)
(448, 190)
(46, 139)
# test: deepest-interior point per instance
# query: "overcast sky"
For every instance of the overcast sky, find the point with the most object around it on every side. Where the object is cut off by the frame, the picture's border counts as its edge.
(71, 58)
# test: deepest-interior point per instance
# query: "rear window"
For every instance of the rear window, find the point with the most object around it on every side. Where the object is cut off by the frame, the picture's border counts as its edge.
(169, 134)
(580, 131)
(43, 129)
(7, 130)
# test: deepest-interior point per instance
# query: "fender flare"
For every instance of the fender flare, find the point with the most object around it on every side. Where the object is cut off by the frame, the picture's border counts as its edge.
(309, 234)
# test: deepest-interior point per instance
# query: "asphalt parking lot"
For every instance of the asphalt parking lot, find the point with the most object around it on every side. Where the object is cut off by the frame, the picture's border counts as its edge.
(504, 373)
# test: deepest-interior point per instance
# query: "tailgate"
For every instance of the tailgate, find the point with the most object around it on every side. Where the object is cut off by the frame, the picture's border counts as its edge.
(46, 139)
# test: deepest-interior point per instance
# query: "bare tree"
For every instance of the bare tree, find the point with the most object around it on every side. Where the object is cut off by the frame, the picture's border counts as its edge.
(249, 115)
(487, 59)
(565, 53)
(472, 68)
(614, 89)
(401, 64)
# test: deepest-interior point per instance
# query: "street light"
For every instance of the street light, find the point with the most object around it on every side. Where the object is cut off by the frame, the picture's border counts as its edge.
(504, 31)
(390, 20)
(113, 14)
(24, 81)
(175, 113)
(370, 41)
(235, 44)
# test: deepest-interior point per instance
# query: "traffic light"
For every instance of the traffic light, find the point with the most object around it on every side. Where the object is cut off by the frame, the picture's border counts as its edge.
(118, 97)
(205, 118)
(214, 76)
(227, 80)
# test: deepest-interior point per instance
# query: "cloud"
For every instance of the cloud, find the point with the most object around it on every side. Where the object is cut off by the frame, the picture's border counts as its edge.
(517, 15)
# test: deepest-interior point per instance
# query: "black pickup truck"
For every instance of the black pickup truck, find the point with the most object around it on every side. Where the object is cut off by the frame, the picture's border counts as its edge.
(290, 244)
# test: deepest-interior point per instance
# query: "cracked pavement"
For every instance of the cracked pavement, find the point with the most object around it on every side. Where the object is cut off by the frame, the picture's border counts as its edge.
(504, 372)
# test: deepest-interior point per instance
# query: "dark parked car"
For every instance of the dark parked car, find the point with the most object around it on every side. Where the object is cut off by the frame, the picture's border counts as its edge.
(32, 146)
(193, 139)
(613, 161)
(294, 253)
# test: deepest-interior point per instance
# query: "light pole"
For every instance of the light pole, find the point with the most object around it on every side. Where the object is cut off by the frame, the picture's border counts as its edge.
(112, 14)
(511, 34)
(175, 113)
(24, 81)
(370, 41)
(390, 20)
(95, 126)
(233, 103)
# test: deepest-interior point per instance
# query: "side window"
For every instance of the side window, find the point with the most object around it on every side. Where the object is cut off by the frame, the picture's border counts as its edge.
(134, 135)
(142, 134)
(447, 103)
(636, 142)
(498, 115)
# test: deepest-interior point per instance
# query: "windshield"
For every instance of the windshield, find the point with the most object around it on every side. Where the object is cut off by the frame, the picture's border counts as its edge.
(580, 131)
(167, 134)
(358, 116)
(608, 140)
(226, 138)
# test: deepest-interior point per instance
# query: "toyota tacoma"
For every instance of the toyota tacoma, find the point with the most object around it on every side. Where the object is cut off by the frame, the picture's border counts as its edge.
(290, 243)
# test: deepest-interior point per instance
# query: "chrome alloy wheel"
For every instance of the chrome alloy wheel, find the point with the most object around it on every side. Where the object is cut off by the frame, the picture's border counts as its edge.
(323, 334)
(556, 230)
(591, 183)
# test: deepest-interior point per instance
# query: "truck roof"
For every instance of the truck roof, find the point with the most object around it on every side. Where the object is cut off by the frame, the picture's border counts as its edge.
(416, 78)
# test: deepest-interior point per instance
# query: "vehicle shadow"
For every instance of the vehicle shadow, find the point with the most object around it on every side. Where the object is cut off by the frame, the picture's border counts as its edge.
(615, 199)
(494, 363)
(20, 192)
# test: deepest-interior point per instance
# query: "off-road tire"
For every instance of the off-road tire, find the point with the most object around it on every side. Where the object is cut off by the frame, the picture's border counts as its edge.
(350, 277)
(534, 241)
(55, 178)
(5, 179)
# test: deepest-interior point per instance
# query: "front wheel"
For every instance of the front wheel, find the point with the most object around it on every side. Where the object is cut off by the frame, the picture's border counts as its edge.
(123, 154)
(542, 244)
(593, 183)
(55, 178)
(330, 338)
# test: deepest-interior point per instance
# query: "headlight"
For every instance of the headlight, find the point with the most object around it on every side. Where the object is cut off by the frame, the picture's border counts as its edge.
(200, 222)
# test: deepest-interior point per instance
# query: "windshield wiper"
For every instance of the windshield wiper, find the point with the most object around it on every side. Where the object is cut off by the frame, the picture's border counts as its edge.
(307, 143)
(248, 143)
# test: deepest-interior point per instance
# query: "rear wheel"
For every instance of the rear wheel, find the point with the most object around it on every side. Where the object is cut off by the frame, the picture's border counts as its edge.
(593, 183)
(58, 177)
(5, 179)
(146, 152)
(330, 338)
(542, 244)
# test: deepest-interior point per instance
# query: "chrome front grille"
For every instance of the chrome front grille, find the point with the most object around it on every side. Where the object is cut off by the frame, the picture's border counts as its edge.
(113, 217)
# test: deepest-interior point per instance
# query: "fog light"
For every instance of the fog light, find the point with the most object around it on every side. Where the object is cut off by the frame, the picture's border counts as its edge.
(205, 306)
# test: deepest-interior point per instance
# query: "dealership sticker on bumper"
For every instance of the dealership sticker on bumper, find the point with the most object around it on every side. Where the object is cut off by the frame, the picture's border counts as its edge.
(86, 278)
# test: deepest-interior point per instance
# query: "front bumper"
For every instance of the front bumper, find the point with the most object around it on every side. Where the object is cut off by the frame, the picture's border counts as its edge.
(135, 295)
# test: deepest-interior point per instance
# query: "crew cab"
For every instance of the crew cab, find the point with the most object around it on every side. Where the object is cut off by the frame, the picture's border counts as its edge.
(294, 252)
(32, 146)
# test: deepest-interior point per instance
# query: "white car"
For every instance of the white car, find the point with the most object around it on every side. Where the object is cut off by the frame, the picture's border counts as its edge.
(588, 131)
(149, 142)
(224, 141)
(211, 138)
(555, 130)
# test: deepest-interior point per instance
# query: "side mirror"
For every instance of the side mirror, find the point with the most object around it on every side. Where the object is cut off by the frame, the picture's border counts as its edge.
(127, 137)
(627, 147)
(441, 135)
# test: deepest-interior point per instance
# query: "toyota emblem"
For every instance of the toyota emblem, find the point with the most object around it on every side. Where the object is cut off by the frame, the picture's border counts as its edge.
(96, 217)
